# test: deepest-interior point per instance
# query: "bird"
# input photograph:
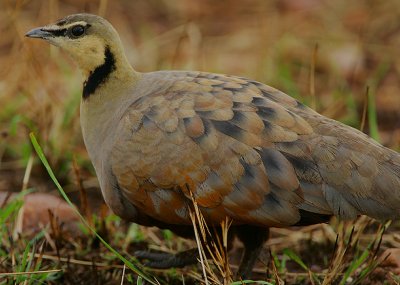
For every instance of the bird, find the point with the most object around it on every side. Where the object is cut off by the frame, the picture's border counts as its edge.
(238, 148)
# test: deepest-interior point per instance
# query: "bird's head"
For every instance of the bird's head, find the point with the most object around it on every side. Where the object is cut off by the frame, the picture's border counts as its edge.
(87, 38)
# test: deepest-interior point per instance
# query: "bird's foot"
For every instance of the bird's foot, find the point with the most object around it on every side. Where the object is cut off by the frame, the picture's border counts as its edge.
(164, 260)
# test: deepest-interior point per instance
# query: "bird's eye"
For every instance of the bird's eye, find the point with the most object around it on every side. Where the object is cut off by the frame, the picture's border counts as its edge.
(77, 31)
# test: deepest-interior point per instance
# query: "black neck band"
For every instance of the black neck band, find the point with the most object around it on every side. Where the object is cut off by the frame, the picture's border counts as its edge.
(99, 75)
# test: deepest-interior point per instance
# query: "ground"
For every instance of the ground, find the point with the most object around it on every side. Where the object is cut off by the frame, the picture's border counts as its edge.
(326, 54)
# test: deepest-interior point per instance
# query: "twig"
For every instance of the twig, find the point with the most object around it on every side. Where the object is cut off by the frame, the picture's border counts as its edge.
(312, 77)
(123, 275)
(77, 261)
(365, 108)
(30, 272)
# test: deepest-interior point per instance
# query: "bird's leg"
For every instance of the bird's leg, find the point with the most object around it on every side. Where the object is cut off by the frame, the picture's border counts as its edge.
(163, 260)
(253, 239)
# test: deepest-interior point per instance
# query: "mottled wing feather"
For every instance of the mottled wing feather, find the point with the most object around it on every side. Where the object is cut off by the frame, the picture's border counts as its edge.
(247, 151)
(359, 176)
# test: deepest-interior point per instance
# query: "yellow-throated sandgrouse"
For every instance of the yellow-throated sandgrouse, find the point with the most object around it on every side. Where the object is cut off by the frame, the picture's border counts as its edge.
(244, 150)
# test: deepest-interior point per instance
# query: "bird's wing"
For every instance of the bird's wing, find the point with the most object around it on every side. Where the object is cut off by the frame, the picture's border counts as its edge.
(357, 175)
(243, 150)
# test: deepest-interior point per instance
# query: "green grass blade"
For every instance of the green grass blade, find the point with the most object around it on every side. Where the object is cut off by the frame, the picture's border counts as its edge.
(372, 117)
(23, 267)
(139, 281)
(354, 266)
(10, 209)
(289, 253)
(42, 157)
(293, 256)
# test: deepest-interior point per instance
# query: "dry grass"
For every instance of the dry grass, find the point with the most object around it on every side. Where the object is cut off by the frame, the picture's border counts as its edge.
(325, 53)
(215, 247)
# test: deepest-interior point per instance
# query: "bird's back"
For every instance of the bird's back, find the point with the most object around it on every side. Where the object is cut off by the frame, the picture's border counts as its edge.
(239, 148)
(246, 151)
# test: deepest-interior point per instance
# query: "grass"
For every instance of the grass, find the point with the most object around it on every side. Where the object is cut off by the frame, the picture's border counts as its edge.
(351, 263)
(325, 55)
(126, 262)
(28, 268)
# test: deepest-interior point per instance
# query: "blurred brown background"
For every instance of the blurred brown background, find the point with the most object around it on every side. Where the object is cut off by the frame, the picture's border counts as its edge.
(330, 49)
(325, 53)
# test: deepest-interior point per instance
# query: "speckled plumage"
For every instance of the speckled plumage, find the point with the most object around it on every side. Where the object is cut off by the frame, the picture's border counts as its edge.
(246, 151)
(243, 149)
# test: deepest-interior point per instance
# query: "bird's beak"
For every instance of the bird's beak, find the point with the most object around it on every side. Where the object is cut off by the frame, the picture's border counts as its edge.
(40, 33)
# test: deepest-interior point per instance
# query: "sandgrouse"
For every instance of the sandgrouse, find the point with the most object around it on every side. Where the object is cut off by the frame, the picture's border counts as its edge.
(242, 149)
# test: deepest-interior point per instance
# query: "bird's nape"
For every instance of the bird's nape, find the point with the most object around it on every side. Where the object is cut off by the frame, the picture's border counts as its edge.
(243, 150)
